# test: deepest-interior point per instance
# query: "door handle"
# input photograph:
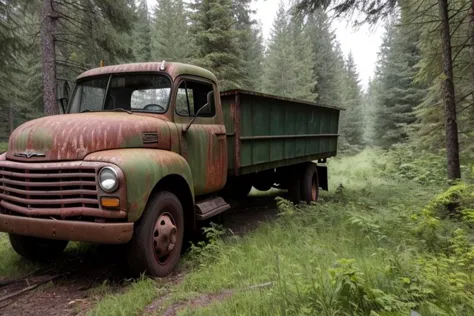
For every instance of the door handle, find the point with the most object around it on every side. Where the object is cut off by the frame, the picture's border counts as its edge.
(220, 133)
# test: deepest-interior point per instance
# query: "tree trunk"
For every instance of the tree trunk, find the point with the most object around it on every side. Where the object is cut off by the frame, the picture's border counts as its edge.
(10, 118)
(452, 143)
(48, 54)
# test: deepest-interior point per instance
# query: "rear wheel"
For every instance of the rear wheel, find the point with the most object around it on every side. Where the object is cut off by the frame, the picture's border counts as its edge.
(156, 244)
(37, 249)
(310, 183)
(294, 185)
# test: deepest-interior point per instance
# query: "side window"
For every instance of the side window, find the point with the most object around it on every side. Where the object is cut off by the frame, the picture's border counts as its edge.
(192, 96)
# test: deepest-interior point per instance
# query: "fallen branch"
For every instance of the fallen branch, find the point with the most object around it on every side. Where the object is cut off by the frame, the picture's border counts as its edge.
(23, 278)
(29, 288)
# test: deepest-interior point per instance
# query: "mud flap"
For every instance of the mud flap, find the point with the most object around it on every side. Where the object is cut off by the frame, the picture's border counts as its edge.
(323, 177)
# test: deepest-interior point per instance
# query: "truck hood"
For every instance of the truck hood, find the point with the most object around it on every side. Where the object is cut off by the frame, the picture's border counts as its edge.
(73, 136)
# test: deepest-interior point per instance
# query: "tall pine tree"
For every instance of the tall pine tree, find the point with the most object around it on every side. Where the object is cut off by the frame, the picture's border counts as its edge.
(285, 57)
(398, 94)
(215, 39)
(171, 39)
(328, 66)
(352, 123)
(142, 33)
(250, 43)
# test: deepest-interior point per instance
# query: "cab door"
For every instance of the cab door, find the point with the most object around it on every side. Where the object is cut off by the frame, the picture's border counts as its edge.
(203, 143)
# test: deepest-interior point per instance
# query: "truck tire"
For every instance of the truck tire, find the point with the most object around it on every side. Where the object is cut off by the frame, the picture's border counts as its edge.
(37, 249)
(294, 185)
(156, 244)
(310, 183)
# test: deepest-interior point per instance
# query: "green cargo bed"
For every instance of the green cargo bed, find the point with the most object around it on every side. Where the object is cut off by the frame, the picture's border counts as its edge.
(266, 132)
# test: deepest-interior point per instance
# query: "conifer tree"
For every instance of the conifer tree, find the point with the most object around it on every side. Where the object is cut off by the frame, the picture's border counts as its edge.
(327, 66)
(250, 43)
(142, 33)
(171, 38)
(398, 93)
(352, 124)
(215, 39)
(287, 66)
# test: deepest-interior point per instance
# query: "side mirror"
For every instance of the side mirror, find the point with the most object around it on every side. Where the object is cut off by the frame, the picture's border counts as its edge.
(209, 104)
(63, 102)
(63, 95)
(210, 100)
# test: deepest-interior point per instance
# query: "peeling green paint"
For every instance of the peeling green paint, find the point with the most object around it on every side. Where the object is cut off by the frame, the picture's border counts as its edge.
(39, 138)
(143, 169)
(132, 141)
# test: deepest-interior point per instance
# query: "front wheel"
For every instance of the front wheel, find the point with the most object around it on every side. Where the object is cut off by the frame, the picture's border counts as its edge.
(37, 249)
(156, 244)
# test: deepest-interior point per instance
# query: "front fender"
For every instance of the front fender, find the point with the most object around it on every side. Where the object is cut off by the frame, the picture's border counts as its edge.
(143, 168)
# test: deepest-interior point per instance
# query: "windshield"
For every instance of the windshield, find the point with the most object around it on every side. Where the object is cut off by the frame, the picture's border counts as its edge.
(142, 92)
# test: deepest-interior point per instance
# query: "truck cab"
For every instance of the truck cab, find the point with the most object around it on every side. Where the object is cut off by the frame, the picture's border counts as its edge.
(138, 144)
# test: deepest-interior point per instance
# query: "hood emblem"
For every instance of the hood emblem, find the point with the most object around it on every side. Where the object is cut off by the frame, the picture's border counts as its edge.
(29, 154)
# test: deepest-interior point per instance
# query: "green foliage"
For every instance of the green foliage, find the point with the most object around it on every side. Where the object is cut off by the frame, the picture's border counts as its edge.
(207, 248)
(351, 121)
(396, 92)
(131, 302)
(363, 250)
(328, 63)
(215, 39)
(286, 70)
(250, 43)
(142, 33)
(171, 39)
(422, 166)
(3, 147)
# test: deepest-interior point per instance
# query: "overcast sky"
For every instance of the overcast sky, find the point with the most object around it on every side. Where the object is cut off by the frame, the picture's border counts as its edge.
(364, 42)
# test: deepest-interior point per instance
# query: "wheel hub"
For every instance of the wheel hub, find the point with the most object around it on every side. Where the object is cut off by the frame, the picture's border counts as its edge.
(164, 235)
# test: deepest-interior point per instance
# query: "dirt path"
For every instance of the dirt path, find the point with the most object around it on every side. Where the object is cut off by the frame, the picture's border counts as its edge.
(70, 294)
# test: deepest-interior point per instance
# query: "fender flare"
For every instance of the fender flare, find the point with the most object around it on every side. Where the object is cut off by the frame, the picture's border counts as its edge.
(143, 169)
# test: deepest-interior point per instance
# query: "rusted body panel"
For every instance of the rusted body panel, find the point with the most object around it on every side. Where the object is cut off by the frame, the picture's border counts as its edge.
(73, 136)
(204, 148)
(172, 69)
(110, 233)
(143, 168)
(269, 132)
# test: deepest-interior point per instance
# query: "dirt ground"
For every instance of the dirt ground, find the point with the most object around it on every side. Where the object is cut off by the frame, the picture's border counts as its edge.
(71, 293)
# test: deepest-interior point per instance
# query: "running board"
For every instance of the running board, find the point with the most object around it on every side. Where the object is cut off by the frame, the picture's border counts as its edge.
(210, 207)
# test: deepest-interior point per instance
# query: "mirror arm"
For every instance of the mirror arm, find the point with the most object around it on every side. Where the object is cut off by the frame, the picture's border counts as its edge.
(194, 118)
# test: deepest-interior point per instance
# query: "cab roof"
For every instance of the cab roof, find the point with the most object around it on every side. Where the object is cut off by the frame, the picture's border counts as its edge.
(172, 69)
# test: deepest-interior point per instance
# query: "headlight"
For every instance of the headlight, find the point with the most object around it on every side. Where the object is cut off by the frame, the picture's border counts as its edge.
(108, 180)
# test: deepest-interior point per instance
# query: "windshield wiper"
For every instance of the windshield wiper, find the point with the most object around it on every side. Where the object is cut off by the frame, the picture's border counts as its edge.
(122, 110)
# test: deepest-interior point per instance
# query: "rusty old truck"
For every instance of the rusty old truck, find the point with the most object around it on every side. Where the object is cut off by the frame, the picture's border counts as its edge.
(146, 152)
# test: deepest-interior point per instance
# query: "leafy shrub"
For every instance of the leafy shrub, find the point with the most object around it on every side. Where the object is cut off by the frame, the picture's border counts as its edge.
(410, 163)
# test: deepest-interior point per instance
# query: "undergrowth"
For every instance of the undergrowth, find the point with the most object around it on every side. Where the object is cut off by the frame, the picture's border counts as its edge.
(381, 243)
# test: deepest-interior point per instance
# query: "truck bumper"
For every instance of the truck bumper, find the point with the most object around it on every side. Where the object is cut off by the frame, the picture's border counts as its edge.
(102, 233)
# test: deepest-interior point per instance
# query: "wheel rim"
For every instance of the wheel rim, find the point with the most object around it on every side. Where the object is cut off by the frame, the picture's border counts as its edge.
(165, 234)
(314, 190)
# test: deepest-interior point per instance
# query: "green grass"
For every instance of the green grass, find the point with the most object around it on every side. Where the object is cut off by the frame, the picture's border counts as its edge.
(131, 302)
(356, 252)
(3, 146)
(11, 264)
(370, 246)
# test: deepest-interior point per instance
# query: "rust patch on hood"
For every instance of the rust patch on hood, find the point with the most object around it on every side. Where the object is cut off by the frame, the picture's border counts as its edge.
(73, 136)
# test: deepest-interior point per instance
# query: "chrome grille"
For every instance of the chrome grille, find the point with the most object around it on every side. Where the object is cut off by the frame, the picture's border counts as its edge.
(68, 190)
